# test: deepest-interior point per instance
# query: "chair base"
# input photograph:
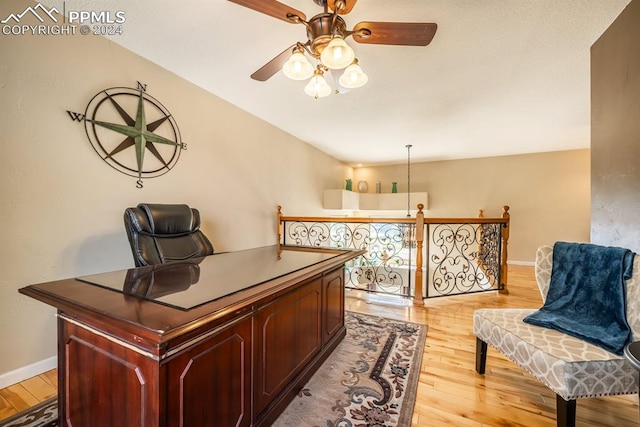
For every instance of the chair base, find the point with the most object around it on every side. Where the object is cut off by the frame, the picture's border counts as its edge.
(481, 356)
(565, 412)
(565, 409)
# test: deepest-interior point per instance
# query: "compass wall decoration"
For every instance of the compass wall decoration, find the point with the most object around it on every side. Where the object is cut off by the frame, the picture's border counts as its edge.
(132, 132)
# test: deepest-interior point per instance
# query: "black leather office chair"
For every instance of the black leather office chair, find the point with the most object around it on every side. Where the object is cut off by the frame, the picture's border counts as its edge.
(161, 233)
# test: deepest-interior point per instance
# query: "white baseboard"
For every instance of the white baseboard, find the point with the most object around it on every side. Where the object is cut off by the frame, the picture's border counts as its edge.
(21, 374)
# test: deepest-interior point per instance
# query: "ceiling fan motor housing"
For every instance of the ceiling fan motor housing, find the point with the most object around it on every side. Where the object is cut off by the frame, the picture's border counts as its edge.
(320, 31)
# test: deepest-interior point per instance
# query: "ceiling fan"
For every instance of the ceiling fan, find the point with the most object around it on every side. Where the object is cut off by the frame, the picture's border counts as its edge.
(325, 43)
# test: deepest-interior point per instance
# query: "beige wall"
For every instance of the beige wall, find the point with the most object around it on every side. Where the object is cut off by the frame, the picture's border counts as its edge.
(548, 193)
(61, 210)
(615, 132)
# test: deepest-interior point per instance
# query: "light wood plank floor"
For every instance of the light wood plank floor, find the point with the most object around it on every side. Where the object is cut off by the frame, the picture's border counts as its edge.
(450, 392)
(29, 392)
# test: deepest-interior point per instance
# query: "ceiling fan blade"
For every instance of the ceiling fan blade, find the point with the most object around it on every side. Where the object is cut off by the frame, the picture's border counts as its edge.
(348, 5)
(395, 33)
(270, 68)
(272, 8)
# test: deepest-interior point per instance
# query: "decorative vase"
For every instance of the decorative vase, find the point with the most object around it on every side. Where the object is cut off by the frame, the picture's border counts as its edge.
(394, 187)
(378, 187)
(348, 186)
(363, 186)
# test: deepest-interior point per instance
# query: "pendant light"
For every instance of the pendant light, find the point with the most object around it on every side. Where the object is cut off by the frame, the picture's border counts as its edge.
(317, 86)
(338, 54)
(298, 67)
(353, 77)
(408, 179)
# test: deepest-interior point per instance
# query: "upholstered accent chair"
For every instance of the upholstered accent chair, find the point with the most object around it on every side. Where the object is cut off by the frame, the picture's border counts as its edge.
(569, 366)
(160, 233)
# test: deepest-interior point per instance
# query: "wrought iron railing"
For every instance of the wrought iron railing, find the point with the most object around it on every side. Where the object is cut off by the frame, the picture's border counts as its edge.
(464, 255)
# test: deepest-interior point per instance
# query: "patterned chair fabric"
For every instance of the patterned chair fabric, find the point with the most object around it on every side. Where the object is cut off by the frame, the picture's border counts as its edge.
(569, 366)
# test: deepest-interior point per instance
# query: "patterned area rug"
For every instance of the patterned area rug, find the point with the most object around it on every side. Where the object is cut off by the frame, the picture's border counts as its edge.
(44, 414)
(370, 380)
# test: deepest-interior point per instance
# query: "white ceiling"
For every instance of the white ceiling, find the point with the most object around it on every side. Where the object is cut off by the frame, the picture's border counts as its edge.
(500, 76)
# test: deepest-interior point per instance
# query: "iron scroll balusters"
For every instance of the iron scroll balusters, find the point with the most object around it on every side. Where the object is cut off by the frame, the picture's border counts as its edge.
(462, 255)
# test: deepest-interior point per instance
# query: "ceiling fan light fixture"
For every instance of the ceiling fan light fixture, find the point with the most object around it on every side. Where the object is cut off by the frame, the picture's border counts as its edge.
(337, 54)
(298, 67)
(317, 86)
(353, 76)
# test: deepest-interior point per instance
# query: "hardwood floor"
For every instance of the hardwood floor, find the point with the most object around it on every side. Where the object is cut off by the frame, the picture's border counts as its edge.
(27, 393)
(450, 391)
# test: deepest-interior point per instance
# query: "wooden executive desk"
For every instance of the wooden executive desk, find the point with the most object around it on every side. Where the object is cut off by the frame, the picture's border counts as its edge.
(226, 340)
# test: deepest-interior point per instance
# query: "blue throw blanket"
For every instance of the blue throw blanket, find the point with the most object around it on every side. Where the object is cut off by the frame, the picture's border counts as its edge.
(586, 297)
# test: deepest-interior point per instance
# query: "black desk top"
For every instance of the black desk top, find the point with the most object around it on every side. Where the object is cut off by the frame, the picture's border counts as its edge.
(159, 303)
(187, 284)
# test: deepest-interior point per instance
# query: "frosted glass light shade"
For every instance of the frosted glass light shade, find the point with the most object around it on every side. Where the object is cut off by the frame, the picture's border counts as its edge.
(338, 54)
(317, 87)
(353, 77)
(298, 67)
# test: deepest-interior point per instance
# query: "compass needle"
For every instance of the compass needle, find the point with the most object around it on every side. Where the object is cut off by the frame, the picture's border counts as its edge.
(154, 125)
(152, 148)
(123, 129)
(125, 116)
(141, 120)
(160, 139)
(140, 146)
(141, 127)
(128, 142)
